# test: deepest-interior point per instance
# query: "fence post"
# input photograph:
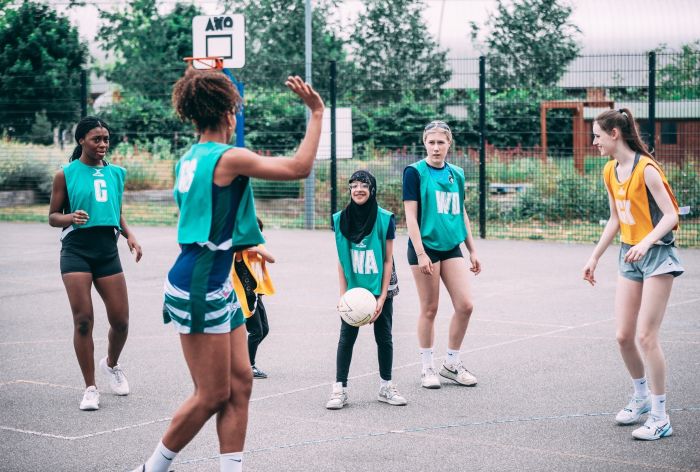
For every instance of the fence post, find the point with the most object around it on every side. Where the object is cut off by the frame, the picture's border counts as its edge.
(651, 141)
(83, 93)
(334, 170)
(482, 147)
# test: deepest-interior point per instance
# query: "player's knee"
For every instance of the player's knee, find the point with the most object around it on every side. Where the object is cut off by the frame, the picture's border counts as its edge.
(430, 312)
(648, 340)
(83, 325)
(625, 339)
(241, 388)
(121, 327)
(464, 309)
(215, 399)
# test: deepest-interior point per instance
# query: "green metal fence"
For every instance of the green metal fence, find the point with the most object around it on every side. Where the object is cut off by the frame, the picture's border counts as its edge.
(524, 180)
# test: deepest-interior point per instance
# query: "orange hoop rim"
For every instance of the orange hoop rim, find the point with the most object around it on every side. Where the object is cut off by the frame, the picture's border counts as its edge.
(218, 62)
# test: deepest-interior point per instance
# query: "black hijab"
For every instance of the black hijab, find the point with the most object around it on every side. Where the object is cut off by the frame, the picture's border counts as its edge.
(357, 221)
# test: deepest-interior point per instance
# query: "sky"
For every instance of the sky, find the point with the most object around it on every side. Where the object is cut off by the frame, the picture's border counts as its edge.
(608, 26)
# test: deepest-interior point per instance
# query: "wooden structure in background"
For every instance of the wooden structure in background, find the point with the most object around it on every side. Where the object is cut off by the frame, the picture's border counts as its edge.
(580, 137)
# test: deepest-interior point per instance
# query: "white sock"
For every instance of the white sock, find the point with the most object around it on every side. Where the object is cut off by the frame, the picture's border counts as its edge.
(161, 459)
(426, 357)
(452, 357)
(231, 462)
(658, 406)
(383, 383)
(641, 387)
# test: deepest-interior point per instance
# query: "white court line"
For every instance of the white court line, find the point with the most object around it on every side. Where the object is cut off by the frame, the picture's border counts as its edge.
(526, 323)
(70, 340)
(45, 384)
(84, 436)
(413, 364)
(424, 429)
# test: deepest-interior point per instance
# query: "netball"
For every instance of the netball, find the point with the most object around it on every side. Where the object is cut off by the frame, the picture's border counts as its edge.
(356, 306)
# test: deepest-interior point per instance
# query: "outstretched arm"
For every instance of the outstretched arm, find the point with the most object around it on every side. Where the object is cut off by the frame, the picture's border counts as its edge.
(241, 161)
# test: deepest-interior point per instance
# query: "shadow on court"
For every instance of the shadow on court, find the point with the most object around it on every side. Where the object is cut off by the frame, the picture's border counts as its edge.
(541, 342)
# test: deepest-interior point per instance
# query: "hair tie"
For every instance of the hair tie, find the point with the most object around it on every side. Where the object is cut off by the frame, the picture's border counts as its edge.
(623, 113)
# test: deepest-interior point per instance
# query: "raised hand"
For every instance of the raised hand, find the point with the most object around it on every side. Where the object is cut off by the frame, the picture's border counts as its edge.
(306, 92)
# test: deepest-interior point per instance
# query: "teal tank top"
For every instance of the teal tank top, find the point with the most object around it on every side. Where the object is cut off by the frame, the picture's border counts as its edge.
(97, 190)
(193, 195)
(363, 263)
(442, 208)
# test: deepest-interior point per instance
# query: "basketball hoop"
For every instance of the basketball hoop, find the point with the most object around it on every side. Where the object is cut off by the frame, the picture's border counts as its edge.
(205, 63)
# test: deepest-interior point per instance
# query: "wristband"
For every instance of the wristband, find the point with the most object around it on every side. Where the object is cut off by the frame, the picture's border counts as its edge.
(420, 254)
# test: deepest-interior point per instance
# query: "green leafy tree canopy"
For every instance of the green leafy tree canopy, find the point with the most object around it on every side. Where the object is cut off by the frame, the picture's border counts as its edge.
(275, 40)
(393, 49)
(148, 46)
(680, 78)
(529, 43)
(41, 58)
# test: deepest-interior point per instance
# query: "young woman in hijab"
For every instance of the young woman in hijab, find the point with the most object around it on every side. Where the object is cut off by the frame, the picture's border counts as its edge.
(364, 237)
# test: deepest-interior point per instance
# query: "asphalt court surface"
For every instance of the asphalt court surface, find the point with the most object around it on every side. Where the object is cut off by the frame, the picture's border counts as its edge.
(541, 342)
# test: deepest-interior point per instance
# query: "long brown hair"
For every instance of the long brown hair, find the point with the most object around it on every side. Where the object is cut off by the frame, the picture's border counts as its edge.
(623, 120)
(205, 97)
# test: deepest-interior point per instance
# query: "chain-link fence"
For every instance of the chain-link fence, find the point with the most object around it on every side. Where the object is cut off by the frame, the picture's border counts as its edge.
(530, 167)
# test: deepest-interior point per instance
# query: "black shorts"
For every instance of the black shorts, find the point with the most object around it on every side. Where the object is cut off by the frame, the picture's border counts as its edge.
(93, 250)
(435, 256)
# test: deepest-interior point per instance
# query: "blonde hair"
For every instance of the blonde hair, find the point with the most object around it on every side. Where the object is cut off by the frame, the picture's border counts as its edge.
(440, 127)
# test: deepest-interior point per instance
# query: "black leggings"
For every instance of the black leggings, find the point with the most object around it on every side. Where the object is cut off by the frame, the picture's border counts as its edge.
(258, 328)
(382, 335)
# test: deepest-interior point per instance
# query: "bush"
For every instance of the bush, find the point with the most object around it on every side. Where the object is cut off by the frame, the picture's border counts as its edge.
(685, 183)
(22, 173)
(41, 131)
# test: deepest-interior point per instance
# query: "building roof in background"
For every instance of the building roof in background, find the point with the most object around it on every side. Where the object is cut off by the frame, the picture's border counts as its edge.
(665, 110)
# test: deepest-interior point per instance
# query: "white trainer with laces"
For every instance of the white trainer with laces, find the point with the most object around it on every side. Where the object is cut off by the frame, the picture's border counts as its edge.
(390, 394)
(91, 399)
(429, 378)
(458, 373)
(339, 397)
(634, 410)
(653, 429)
(117, 379)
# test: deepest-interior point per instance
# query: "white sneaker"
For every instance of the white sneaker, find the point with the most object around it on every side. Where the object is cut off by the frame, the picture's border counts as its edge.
(390, 394)
(429, 379)
(91, 399)
(458, 373)
(654, 429)
(339, 397)
(117, 379)
(634, 410)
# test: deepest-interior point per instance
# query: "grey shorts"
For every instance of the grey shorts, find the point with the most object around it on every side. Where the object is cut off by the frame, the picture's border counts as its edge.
(659, 260)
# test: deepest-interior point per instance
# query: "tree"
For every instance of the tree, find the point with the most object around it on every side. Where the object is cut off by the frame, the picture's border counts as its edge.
(529, 43)
(680, 78)
(393, 50)
(275, 41)
(148, 47)
(41, 58)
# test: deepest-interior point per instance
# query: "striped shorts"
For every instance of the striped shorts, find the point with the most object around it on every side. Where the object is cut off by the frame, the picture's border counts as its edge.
(219, 312)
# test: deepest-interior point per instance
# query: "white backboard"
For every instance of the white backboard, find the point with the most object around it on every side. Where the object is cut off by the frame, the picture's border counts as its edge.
(343, 130)
(219, 36)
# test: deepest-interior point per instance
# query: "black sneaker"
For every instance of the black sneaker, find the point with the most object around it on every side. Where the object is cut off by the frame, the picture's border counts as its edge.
(258, 374)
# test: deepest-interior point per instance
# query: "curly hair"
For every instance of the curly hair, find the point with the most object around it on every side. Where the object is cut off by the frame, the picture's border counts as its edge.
(205, 97)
